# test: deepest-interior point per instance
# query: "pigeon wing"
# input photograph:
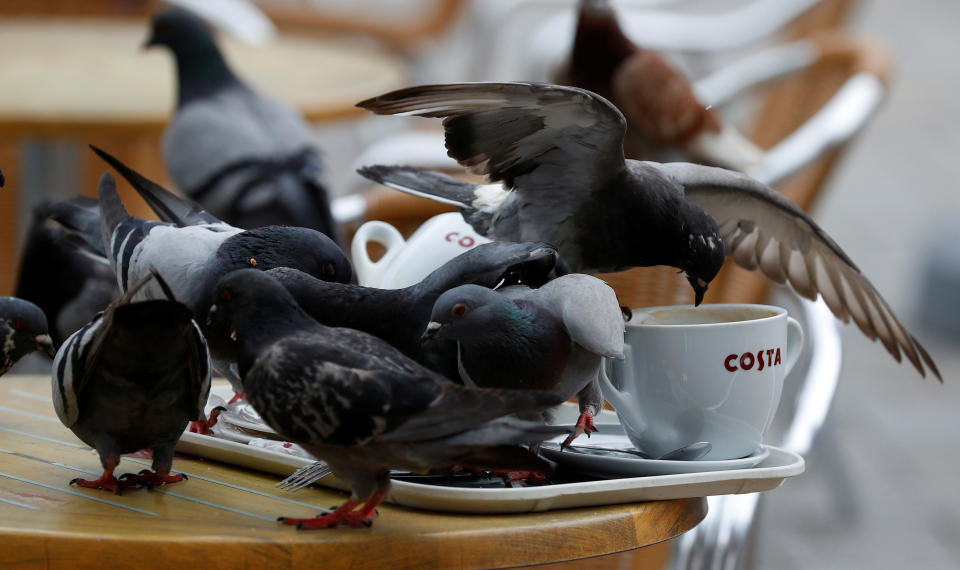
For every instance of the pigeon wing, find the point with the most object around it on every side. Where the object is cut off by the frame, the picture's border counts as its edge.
(550, 143)
(589, 310)
(72, 366)
(764, 230)
(167, 205)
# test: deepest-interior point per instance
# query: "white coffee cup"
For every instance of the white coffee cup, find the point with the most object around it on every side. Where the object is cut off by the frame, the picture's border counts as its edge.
(711, 373)
(438, 240)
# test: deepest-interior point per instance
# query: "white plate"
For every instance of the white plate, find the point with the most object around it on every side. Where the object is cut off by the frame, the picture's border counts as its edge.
(767, 475)
(608, 464)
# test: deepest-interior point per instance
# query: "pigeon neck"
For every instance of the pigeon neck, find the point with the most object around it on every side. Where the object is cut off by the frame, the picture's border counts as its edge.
(263, 326)
(599, 47)
(201, 72)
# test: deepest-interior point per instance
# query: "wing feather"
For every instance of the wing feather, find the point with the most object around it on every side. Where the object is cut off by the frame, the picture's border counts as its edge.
(786, 244)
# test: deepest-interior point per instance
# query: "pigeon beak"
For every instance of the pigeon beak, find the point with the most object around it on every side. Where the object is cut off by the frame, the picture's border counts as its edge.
(45, 344)
(700, 289)
(432, 328)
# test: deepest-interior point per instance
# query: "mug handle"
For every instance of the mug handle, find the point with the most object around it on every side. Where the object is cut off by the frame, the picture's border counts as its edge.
(379, 232)
(621, 400)
(794, 343)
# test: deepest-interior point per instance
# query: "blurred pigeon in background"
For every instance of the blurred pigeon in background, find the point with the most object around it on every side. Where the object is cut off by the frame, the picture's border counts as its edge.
(662, 111)
(557, 151)
(23, 328)
(69, 286)
(247, 158)
(359, 404)
(132, 379)
(193, 252)
(552, 338)
(399, 316)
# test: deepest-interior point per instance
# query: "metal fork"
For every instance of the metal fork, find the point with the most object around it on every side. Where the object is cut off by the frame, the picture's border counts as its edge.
(304, 477)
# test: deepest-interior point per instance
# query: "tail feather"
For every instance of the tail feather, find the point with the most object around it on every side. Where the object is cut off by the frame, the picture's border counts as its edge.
(424, 183)
(167, 205)
(112, 211)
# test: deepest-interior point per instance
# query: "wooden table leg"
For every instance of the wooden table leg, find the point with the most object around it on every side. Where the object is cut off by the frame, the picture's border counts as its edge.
(9, 213)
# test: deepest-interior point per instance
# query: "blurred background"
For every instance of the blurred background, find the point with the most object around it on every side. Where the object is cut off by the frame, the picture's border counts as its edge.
(854, 101)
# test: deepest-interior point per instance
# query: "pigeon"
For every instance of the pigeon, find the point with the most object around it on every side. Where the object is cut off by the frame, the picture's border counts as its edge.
(23, 327)
(70, 286)
(557, 156)
(247, 158)
(193, 249)
(551, 338)
(358, 403)
(132, 379)
(664, 116)
(399, 316)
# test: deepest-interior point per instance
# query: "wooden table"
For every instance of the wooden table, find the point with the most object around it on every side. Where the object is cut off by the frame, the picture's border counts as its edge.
(88, 80)
(224, 517)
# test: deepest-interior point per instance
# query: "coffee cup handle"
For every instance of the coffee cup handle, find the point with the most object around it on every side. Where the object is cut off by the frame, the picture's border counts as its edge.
(794, 343)
(379, 232)
(621, 400)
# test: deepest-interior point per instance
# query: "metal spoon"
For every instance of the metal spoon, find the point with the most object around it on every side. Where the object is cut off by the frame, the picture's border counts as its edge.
(690, 452)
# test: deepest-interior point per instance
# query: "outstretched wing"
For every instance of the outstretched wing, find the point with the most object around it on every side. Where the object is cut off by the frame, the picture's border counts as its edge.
(764, 230)
(537, 138)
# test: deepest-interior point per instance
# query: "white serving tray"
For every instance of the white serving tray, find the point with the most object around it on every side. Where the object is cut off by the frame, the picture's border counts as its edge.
(767, 475)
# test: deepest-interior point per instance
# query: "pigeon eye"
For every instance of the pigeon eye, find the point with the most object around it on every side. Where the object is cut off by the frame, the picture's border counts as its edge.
(19, 325)
(253, 262)
(458, 310)
(225, 296)
(328, 269)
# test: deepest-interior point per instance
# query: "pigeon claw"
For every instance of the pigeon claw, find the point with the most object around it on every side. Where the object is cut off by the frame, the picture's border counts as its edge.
(106, 482)
(150, 479)
(203, 426)
(584, 425)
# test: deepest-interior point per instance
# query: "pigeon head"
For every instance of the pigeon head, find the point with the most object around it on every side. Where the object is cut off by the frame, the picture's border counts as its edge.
(23, 329)
(461, 312)
(252, 308)
(269, 247)
(201, 68)
(180, 30)
(704, 253)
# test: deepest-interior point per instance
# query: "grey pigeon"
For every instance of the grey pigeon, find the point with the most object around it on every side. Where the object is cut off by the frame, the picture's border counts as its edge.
(23, 329)
(359, 404)
(247, 158)
(557, 152)
(399, 316)
(664, 116)
(193, 253)
(132, 379)
(70, 286)
(551, 338)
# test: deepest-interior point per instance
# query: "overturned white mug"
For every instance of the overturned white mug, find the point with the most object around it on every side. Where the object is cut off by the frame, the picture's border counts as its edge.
(438, 240)
(712, 373)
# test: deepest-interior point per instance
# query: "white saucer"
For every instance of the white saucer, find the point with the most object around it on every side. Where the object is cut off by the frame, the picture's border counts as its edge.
(612, 463)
